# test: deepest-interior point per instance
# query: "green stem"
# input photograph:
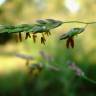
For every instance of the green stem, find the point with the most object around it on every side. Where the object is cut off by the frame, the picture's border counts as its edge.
(88, 79)
(80, 22)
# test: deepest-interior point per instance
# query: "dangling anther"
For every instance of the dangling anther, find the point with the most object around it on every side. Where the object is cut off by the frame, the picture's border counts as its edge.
(27, 35)
(20, 36)
(34, 38)
(70, 42)
(48, 33)
(43, 36)
(43, 40)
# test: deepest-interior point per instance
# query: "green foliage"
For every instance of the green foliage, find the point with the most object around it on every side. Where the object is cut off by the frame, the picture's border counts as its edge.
(57, 77)
(40, 27)
(44, 27)
(69, 36)
(54, 78)
(71, 33)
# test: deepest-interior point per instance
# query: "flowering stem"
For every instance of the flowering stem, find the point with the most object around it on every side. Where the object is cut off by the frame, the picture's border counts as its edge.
(88, 79)
(80, 22)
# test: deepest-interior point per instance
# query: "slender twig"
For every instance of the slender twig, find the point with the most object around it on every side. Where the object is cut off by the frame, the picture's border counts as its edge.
(88, 79)
(80, 22)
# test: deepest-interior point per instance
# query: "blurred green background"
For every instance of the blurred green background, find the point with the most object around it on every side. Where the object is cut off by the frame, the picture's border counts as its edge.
(14, 77)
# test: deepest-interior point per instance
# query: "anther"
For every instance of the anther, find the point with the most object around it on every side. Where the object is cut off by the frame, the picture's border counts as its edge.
(27, 35)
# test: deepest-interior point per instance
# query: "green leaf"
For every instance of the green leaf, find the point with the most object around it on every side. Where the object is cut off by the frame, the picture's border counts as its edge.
(38, 29)
(7, 28)
(75, 31)
(71, 33)
(53, 23)
(41, 22)
(41, 26)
